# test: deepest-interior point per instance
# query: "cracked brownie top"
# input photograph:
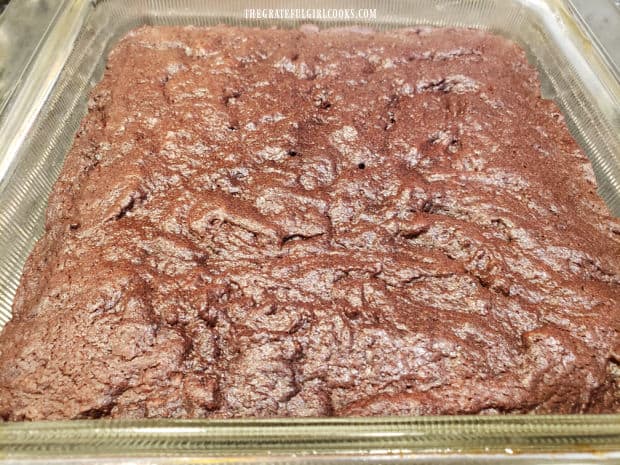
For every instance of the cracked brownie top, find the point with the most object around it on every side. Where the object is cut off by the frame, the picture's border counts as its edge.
(302, 223)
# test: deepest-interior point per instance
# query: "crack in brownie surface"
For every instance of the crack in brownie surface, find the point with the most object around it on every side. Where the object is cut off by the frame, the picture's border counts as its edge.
(302, 223)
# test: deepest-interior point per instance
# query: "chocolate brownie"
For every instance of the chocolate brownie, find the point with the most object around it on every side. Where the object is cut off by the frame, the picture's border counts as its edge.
(260, 223)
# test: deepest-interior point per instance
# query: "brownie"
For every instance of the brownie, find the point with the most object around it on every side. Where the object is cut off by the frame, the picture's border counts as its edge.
(274, 223)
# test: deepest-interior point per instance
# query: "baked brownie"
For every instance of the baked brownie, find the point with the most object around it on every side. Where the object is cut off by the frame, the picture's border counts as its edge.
(257, 223)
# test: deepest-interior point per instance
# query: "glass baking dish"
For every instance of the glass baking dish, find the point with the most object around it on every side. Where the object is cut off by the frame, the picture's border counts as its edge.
(45, 78)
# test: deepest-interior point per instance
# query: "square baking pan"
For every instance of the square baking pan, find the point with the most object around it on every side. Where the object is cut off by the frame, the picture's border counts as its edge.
(52, 52)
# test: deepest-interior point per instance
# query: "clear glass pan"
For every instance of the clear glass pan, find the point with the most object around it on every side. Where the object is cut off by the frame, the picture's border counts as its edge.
(45, 75)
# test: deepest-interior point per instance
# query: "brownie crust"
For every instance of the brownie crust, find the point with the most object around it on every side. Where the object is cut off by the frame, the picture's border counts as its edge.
(260, 223)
